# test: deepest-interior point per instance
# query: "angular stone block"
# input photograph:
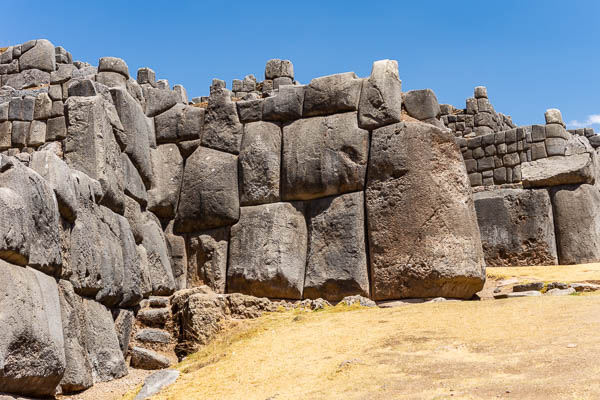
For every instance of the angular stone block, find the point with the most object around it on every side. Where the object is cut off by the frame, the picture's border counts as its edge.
(337, 260)
(159, 100)
(260, 163)
(577, 223)
(159, 264)
(381, 96)
(332, 94)
(41, 56)
(423, 235)
(323, 156)
(516, 227)
(553, 116)
(421, 104)
(209, 193)
(268, 251)
(284, 106)
(578, 168)
(276, 68)
(32, 348)
(222, 127)
(207, 259)
(134, 185)
(179, 123)
(167, 164)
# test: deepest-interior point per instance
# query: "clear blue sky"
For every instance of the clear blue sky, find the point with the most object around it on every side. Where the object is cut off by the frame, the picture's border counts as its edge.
(532, 55)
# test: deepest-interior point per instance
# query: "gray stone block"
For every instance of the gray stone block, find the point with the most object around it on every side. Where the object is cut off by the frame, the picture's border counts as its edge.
(222, 128)
(207, 259)
(250, 110)
(146, 75)
(180, 122)
(278, 68)
(163, 195)
(332, 94)
(575, 169)
(553, 116)
(511, 159)
(480, 92)
(421, 104)
(41, 56)
(21, 109)
(555, 146)
(381, 96)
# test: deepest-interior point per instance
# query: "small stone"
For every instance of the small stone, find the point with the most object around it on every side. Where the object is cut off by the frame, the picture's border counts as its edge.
(553, 116)
(150, 335)
(525, 287)
(148, 359)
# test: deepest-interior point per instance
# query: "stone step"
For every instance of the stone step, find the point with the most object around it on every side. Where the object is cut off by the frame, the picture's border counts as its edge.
(154, 316)
(148, 359)
(151, 335)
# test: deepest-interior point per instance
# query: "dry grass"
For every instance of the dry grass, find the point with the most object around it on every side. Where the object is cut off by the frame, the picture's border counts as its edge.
(3, 49)
(516, 348)
(202, 104)
(555, 273)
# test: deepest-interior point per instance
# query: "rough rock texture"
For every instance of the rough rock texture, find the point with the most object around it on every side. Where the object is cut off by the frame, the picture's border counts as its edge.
(91, 147)
(167, 164)
(179, 123)
(78, 371)
(32, 348)
(151, 335)
(178, 256)
(222, 127)
(337, 259)
(41, 216)
(159, 264)
(554, 171)
(323, 156)
(209, 192)
(421, 104)
(14, 232)
(516, 227)
(260, 163)
(155, 382)
(207, 259)
(40, 56)
(381, 96)
(267, 251)
(148, 359)
(431, 250)
(124, 320)
(332, 94)
(102, 343)
(577, 223)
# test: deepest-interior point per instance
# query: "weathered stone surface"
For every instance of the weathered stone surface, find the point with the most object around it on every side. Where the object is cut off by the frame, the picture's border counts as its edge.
(421, 104)
(323, 156)
(42, 216)
(83, 88)
(554, 171)
(91, 147)
(155, 382)
(337, 259)
(154, 316)
(112, 80)
(102, 343)
(268, 251)
(20, 133)
(422, 227)
(40, 56)
(14, 227)
(286, 105)
(516, 227)
(55, 171)
(43, 106)
(159, 100)
(27, 79)
(180, 122)
(161, 274)
(167, 164)
(148, 359)
(177, 255)
(124, 320)
(332, 94)
(222, 128)
(260, 163)
(250, 110)
(381, 96)
(146, 75)
(135, 138)
(32, 348)
(135, 276)
(276, 68)
(525, 287)
(577, 223)
(132, 181)
(209, 192)
(207, 259)
(113, 64)
(21, 109)
(151, 335)
(78, 370)
(553, 116)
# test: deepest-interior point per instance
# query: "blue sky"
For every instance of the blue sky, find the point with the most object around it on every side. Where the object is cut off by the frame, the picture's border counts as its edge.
(532, 55)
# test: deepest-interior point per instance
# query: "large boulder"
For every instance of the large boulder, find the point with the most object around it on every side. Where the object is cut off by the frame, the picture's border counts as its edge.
(167, 164)
(516, 226)
(323, 156)
(207, 259)
(577, 223)
(133, 274)
(177, 256)
(332, 94)
(381, 96)
(422, 104)
(179, 123)
(260, 163)
(337, 258)
(132, 181)
(102, 343)
(136, 132)
(267, 251)
(222, 126)
(423, 235)
(554, 171)
(41, 219)
(78, 371)
(32, 348)
(14, 232)
(91, 147)
(41, 56)
(159, 264)
(209, 192)
(159, 100)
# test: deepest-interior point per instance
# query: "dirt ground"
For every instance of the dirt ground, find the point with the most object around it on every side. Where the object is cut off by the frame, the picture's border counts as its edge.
(522, 348)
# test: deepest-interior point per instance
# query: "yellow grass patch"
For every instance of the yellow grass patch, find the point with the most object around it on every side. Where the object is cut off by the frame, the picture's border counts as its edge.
(554, 273)
(534, 348)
